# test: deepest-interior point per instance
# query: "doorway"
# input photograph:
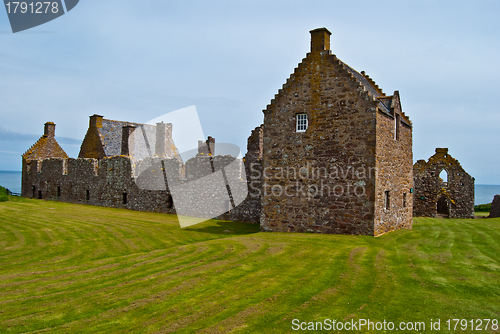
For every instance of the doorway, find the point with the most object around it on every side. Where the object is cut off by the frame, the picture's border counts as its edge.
(443, 209)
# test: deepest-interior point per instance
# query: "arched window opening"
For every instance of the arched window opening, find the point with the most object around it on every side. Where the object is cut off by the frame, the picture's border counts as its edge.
(444, 176)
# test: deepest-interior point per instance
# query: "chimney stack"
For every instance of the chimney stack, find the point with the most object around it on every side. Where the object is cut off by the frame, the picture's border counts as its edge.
(163, 139)
(96, 121)
(127, 144)
(442, 150)
(320, 40)
(49, 130)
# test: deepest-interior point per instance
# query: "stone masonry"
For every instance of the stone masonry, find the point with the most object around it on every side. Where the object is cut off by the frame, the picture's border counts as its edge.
(337, 152)
(449, 193)
(333, 155)
(495, 207)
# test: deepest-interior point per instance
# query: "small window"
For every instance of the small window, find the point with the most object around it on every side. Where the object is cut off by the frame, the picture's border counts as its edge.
(124, 198)
(87, 195)
(34, 191)
(301, 122)
(387, 202)
(397, 126)
(39, 194)
(404, 200)
(170, 203)
(58, 191)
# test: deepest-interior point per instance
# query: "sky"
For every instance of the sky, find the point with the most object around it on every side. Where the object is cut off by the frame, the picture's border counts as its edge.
(136, 60)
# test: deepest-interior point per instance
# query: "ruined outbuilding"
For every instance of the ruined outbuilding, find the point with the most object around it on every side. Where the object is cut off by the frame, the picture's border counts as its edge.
(442, 187)
(495, 207)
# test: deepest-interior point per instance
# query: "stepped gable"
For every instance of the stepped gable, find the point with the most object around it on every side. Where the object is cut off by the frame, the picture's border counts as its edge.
(46, 147)
(367, 85)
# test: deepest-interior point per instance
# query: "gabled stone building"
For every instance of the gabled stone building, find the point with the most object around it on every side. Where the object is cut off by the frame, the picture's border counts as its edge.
(442, 187)
(337, 151)
(334, 155)
(46, 147)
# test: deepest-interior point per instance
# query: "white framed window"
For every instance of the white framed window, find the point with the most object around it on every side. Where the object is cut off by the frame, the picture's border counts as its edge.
(301, 122)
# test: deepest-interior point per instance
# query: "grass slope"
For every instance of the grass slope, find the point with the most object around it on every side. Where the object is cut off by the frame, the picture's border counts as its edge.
(4, 196)
(74, 268)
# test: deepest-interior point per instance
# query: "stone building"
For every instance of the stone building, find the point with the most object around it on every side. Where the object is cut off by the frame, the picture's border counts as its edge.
(334, 155)
(337, 151)
(442, 187)
(138, 167)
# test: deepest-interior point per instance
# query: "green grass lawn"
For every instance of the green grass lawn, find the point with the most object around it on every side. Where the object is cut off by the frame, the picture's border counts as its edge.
(4, 196)
(73, 268)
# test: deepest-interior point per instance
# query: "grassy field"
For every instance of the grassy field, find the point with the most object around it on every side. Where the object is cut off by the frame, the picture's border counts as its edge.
(72, 268)
(4, 197)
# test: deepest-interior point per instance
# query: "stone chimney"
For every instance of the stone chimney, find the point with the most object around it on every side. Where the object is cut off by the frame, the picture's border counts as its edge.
(442, 150)
(96, 121)
(206, 147)
(320, 40)
(127, 144)
(163, 139)
(49, 130)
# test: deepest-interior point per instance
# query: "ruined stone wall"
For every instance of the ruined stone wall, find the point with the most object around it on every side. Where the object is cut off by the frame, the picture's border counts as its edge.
(328, 187)
(394, 173)
(121, 182)
(108, 182)
(457, 191)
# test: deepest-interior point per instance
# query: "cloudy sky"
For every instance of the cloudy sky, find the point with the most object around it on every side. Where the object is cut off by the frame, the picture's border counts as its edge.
(135, 60)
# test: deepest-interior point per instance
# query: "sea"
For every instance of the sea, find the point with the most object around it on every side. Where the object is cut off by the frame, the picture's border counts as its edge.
(484, 193)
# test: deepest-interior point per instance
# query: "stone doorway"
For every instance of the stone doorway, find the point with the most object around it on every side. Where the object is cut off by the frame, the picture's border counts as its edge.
(443, 209)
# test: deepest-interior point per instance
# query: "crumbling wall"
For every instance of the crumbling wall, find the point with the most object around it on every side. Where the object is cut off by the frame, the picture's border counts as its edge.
(457, 192)
(495, 207)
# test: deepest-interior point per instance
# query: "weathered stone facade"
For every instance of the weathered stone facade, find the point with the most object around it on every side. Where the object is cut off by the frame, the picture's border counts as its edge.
(334, 155)
(449, 193)
(495, 207)
(145, 184)
(350, 170)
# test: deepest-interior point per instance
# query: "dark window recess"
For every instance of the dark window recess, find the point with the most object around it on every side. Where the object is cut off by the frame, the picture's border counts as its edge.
(34, 191)
(58, 191)
(404, 200)
(170, 203)
(397, 127)
(124, 198)
(87, 195)
(387, 202)
(39, 194)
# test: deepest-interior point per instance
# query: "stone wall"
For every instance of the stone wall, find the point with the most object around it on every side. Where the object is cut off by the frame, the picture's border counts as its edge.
(331, 178)
(146, 185)
(310, 177)
(495, 207)
(456, 192)
(394, 172)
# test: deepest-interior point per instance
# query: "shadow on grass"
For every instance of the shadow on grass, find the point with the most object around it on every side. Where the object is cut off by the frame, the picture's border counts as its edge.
(222, 227)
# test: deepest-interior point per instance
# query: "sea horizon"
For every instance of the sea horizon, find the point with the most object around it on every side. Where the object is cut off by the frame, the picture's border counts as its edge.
(483, 193)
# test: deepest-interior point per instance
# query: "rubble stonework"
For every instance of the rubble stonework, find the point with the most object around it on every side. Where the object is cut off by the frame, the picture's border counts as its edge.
(495, 207)
(349, 172)
(452, 197)
(356, 153)
(122, 181)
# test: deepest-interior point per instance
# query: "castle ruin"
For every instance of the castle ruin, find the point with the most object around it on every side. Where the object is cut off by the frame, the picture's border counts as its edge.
(442, 187)
(333, 155)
